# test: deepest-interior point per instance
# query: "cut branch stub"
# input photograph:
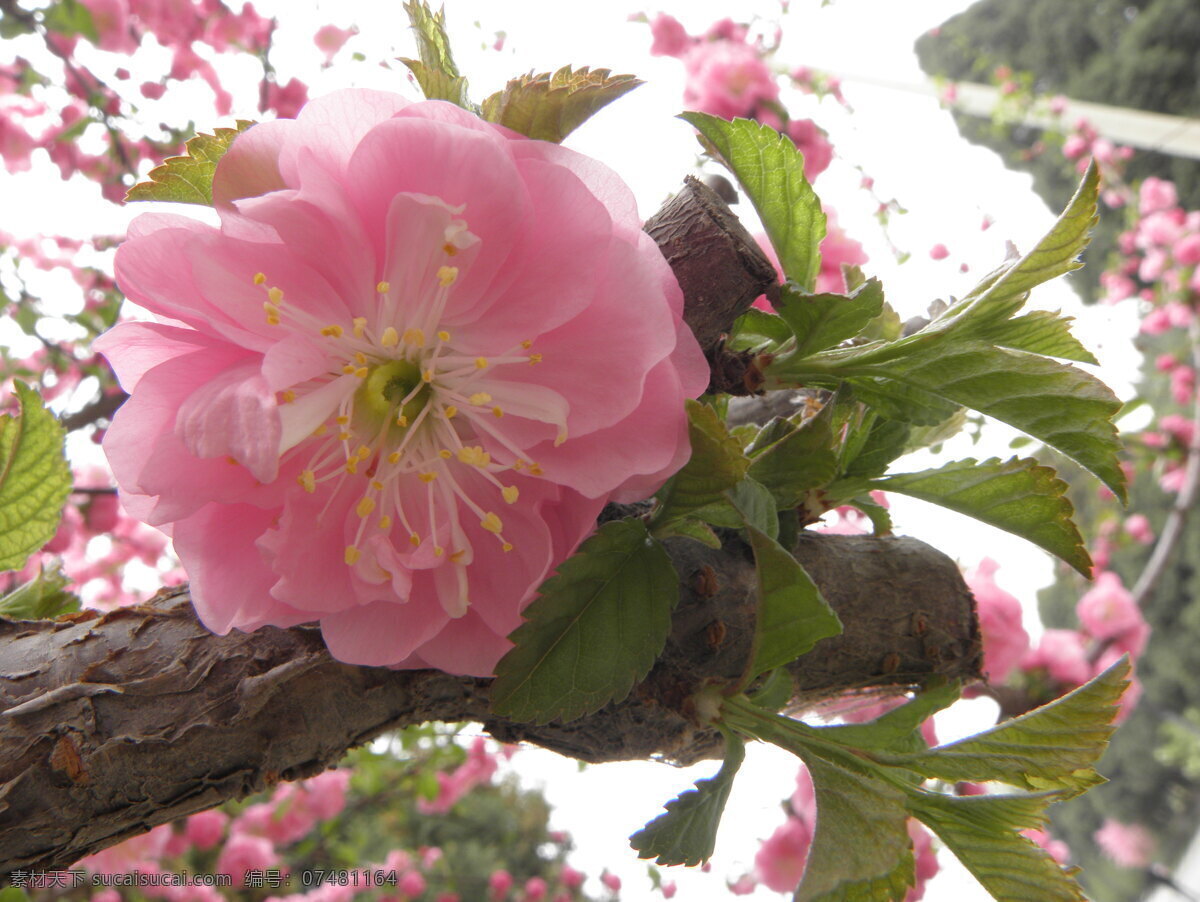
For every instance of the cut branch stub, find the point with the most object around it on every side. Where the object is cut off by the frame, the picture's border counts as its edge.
(114, 723)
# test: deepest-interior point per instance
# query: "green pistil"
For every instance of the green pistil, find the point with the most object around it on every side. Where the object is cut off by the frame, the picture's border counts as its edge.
(386, 385)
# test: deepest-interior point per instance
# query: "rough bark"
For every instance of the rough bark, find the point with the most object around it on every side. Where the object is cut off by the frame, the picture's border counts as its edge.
(114, 723)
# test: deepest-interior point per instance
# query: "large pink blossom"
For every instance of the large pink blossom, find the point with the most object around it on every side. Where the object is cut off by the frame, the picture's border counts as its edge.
(727, 79)
(1005, 641)
(398, 383)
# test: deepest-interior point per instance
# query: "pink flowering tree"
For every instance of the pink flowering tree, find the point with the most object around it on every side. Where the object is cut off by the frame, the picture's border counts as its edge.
(442, 430)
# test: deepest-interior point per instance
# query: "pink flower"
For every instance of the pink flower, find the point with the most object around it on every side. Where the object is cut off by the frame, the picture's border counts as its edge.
(535, 889)
(205, 828)
(390, 372)
(1139, 529)
(286, 100)
(779, 862)
(670, 37)
(611, 881)
(570, 878)
(1062, 655)
(1005, 641)
(411, 884)
(499, 883)
(1056, 847)
(330, 39)
(925, 860)
(743, 886)
(669, 889)
(326, 793)
(1187, 250)
(939, 252)
(1107, 609)
(727, 79)
(1129, 845)
(244, 853)
(1156, 194)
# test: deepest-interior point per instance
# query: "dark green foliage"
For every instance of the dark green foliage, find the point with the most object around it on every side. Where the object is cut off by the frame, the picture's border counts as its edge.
(1141, 54)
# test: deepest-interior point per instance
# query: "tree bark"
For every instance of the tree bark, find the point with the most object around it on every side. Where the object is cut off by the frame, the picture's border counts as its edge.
(111, 724)
(114, 723)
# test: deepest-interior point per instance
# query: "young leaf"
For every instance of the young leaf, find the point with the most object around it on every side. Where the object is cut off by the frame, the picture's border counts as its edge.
(861, 849)
(982, 833)
(885, 440)
(551, 105)
(755, 505)
(1018, 495)
(820, 321)
(1054, 747)
(905, 403)
(687, 833)
(792, 614)
(1041, 332)
(42, 598)
(594, 631)
(894, 729)
(70, 17)
(802, 460)
(771, 171)
(34, 479)
(436, 72)
(188, 179)
(757, 328)
(717, 463)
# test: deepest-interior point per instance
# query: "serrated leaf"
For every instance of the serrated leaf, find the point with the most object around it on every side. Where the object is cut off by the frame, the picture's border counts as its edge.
(687, 833)
(1018, 495)
(756, 506)
(717, 464)
(885, 440)
(881, 520)
(982, 833)
(771, 171)
(793, 616)
(436, 71)
(861, 850)
(799, 462)
(42, 598)
(756, 328)
(929, 436)
(689, 529)
(595, 629)
(821, 321)
(551, 105)
(1054, 747)
(895, 729)
(1041, 332)
(34, 479)
(907, 403)
(69, 18)
(188, 179)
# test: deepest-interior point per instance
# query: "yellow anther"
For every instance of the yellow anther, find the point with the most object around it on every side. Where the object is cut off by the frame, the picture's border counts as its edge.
(288, 396)
(491, 523)
(480, 398)
(414, 337)
(535, 469)
(560, 438)
(414, 540)
(457, 556)
(402, 421)
(518, 464)
(272, 320)
(344, 436)
(507, 546)
(383, 287)
(362, 372)
(510, 493)
(394, 457)
(446, 275)
(360, 325)
(535, 358)
(427, 376)
(232, 461)
(275, 294)
(308, 479)
(449, 249)
(445, 454)
(360, 358)
(270, 309)
(365, 506)
(334, 331)
(349, 369)
(438, 550)
(527, 344)
(352, 465)
(451, 412)
(385, 522)
(320, 430)
(497, 412)
(443, 335)
(259, 278)
(390, 338)
(480, 363)
(342, 420)
(428, 476)
(352, 555)
(474, 455)
(377, 485)
(363, 452)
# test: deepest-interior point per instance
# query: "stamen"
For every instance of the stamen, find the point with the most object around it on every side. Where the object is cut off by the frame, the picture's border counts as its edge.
(451, 412)
(385, 522)
(259, 278)
(491, 523)
(481, 363)
(510, 493)
(389, 339)
(497, 412)
(352, 555)
(535, 358)
(383, 287)
(360, 326)
(427, 476)
(275, 295)
(365, 506)
(308, 479)
(288, 396)
(446, 275)
(443, 335)
(334, 331)
(480, 398)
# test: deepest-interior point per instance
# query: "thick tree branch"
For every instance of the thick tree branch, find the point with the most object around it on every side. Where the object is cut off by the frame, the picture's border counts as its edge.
(114, 723)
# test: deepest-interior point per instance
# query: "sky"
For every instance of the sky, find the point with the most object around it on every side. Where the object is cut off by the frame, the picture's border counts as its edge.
(904, 141)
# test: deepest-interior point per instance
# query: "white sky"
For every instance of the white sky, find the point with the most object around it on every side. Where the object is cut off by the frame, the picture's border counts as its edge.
(905, 142)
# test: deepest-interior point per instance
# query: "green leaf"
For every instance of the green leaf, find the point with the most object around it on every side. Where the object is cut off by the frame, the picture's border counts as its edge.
(595, 629)
(756, 506)
(1054, 747)
(689, 529)
(821, 321)
(69, 18)
(896, 728)
(42, 598)
(756, 328)
(687, 833)
(34, 479)
(436, 72)
(188, 179)
(717, 463)
(1041, 332)
(551, 105)
(861, 851)
(982, 832)
(771, 171)
(885, 440)
(907, 403)
(792, 614)
(1018, 495)
(801, 461)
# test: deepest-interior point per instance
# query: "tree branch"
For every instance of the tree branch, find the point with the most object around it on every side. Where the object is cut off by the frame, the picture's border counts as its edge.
(114, 723)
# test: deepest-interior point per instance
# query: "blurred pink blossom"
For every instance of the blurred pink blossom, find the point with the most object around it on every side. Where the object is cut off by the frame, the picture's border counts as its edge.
(1062, 655)
(1005, 641)
(1129, 845)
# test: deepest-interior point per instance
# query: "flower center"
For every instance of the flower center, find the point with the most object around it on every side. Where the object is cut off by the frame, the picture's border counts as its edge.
(393, 388)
